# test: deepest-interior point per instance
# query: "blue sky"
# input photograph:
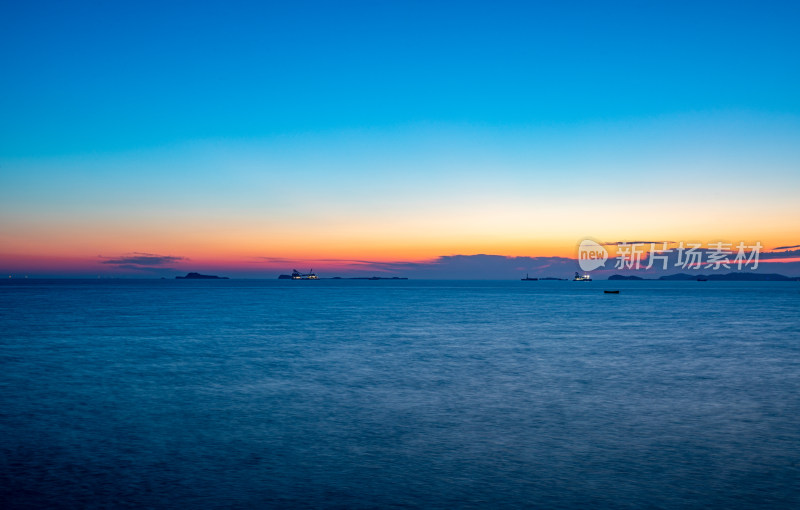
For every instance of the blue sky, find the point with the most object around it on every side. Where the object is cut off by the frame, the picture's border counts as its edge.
(227, 133)
(108, 76)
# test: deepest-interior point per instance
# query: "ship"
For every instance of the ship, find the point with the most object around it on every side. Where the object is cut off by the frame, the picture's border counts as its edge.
(584, 278)
(297, 275)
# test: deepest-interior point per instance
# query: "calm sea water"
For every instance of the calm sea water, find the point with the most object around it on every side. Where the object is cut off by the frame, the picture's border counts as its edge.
(399, 394)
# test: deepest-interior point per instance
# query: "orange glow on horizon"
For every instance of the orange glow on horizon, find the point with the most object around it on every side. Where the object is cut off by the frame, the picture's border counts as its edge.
(343, 256)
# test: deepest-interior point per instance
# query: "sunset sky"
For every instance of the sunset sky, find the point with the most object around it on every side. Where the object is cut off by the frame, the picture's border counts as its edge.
(145, 139)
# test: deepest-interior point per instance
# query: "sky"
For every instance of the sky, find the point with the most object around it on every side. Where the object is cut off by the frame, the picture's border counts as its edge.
(142, 139)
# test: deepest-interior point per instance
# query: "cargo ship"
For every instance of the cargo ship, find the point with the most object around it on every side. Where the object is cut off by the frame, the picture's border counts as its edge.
(297, 275)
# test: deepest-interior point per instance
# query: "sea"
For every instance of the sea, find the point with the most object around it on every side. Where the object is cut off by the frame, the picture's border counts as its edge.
(399, 394)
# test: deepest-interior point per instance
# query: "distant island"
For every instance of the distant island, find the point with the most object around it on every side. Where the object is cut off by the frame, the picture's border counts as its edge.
(729, 277)
(621, 277)
(198, 276)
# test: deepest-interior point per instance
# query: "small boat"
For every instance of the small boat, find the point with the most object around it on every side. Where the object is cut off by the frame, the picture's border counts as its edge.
(297, 275)
(584, 278)
(610, 292)
(702, 279)
(528, 278)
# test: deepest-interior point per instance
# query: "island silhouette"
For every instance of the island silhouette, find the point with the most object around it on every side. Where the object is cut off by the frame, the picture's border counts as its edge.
(198, 276)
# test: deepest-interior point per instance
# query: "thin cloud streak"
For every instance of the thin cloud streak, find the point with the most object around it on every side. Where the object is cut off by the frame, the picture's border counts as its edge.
(780, 254)
(617, 243)
(283, 260)
(147, 269)
(480, 266)
(492, 267)
(142, 259)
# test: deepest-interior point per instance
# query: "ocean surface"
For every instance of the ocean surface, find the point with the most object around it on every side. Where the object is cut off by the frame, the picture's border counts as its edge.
(399, 394)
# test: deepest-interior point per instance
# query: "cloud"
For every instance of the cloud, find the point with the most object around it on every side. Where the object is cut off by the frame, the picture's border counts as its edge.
(142, 259)
(480, 267)
(143, 262)
(617, 243)
(780, 254)
(444, 267)
(788, 247)
(281, 260)
(500, 267)
(466, 267)
(276, 260)
(147, 269)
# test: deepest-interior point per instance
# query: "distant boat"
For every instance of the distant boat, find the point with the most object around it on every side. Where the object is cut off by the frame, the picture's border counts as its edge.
(528, 278)
(297, 275)
(610, 292)
(701, 279)
(584, 278)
